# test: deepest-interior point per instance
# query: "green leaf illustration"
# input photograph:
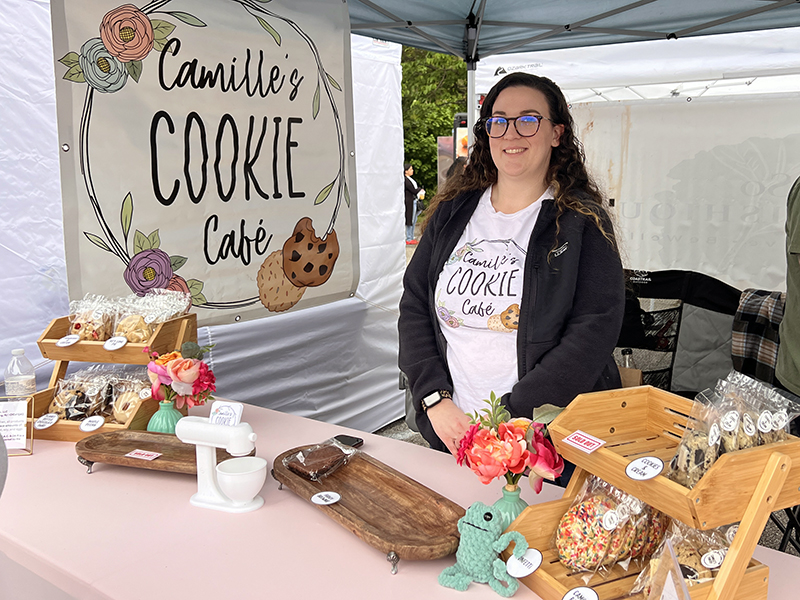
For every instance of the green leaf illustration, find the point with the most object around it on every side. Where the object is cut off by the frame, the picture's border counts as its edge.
(263, 1)
(195, 286)
(177, 262)
(187, 18)
(70, 59)
(155, 240)
(199, 299)
(333, 82)
(324, 193)
(75, 74)
(270, 30)
(134, 69)
(140, 242)
(97, 241)
(158, 45)
(346, 196)
(315, 103)
(126, 215)
(161, 29)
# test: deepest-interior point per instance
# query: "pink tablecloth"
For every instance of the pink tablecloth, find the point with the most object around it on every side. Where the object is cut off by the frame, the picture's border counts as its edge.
(131, 534)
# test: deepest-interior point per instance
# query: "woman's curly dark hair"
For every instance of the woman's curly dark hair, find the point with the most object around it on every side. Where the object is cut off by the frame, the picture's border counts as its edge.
(574, 188)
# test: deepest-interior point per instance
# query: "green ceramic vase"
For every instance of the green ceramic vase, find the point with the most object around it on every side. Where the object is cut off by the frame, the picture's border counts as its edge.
(510, 506)
(165, 418)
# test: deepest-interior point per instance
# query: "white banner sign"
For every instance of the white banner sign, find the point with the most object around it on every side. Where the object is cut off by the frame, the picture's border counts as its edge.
(206, 147)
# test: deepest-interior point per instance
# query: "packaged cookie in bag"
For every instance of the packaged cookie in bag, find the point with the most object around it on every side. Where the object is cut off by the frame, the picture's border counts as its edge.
(92, 318)
(72, 400)
(131, 323)
(320, 460)
(585, 533)
(130, 390)
(729, 410)
(700, 443)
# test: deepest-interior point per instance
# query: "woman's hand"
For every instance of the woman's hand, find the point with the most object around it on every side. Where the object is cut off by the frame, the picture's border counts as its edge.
(449, 422)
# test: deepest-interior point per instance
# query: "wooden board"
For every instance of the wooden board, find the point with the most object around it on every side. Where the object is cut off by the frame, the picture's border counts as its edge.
(111, 448)
(383, 507)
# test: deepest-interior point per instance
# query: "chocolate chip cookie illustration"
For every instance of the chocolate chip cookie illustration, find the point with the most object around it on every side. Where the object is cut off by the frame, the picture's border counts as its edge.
(510, 317)
(308, 260)
(275, 291)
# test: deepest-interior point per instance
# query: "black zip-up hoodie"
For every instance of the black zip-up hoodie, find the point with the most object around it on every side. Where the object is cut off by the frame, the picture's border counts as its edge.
(570, 315)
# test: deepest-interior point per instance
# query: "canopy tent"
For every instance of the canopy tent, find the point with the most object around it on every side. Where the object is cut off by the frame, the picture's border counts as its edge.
(482, 28)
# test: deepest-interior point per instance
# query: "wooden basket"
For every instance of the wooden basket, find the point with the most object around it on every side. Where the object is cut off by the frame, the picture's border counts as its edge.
(69, 431)
(167, 337)
(744, 486)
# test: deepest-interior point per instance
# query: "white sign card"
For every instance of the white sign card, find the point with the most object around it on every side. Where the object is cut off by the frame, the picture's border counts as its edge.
(525, 565)
(13, 421)
(583, 441)
(220, 134)
(226, 413)
(325, 498)
(581, 593)
(92, 423)
(644, 468)
(46, 421)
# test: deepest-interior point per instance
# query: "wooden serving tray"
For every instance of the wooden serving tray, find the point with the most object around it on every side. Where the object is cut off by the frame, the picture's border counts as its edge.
(386, 509)
(111, 448)
(168, 336)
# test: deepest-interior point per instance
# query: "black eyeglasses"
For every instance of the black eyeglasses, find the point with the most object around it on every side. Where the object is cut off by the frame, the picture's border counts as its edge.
(526, 125)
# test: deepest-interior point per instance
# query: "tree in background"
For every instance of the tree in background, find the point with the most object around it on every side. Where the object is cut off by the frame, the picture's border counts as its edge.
(434, 90)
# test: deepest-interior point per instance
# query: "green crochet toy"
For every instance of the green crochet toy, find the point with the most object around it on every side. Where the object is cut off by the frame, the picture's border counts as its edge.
(477, 555)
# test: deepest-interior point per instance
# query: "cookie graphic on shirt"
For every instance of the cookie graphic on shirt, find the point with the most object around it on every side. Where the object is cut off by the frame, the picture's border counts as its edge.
(495, 323)
(510, 317)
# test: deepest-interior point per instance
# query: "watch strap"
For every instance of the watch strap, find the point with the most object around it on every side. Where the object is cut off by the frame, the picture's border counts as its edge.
(433, 399)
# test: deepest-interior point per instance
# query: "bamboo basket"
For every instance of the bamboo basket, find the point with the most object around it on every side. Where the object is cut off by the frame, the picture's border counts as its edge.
(744, 486)
(168, 336)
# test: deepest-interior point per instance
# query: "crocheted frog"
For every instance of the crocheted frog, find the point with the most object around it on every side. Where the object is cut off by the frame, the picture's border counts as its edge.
(476, 557)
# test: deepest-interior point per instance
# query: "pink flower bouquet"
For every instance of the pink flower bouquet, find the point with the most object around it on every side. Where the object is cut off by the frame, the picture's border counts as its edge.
(496, 445)
(182, 376)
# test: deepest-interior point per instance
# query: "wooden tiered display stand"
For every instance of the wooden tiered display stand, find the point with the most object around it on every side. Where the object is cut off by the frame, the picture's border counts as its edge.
(167, 337)
(744, 486)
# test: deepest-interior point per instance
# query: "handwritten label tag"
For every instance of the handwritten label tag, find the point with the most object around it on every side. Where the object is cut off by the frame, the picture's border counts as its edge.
(713, 558)
(46, 421)
(325, 498)
(115, 343)
(583, 441)
(522, 567)
(92, 423)
(226, 413)
(13, 420)
(143, 454)
(68, 340)
(581, 593)
(145, 393)
(644, 468)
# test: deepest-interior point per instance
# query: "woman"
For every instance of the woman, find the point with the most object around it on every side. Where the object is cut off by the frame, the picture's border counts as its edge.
(412, 192)
(516, 286)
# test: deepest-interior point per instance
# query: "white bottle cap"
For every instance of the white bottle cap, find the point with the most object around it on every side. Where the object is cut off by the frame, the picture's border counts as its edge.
(18, 352)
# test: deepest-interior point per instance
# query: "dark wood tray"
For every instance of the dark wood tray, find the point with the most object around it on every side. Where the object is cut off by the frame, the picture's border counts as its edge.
(111, 448)
(383, 507)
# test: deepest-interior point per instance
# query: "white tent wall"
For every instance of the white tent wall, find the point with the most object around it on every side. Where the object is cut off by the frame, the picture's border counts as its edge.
(336, 362)
(699, 169)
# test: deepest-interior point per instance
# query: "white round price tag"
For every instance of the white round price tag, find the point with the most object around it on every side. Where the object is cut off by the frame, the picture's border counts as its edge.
(92, 423)
(765, 422)
(581, 593)
(115, 343)
(610, 520)
(713, 559)
(68, 340)
(46, 421)
(713, 434)
(731, 533)
(644, 468)
(522, 567)
(325, 498)
(145, 393)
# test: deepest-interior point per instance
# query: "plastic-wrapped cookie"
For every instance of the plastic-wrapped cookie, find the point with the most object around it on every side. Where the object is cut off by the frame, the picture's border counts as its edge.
(691, 565)
(581, 539)
(134, 328)
(77, 407)
(275, 291)
(125, 405)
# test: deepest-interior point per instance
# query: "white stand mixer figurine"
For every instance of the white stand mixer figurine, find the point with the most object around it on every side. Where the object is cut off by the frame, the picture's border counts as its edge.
(232, 485)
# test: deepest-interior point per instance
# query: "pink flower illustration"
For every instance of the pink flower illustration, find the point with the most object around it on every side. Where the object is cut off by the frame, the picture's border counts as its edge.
(127, 33)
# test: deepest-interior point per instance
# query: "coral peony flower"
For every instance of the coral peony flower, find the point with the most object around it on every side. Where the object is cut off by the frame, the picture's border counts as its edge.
(184, 373)
(178, 284)
(127, 33)
(102, 71)
(488, 456)
(157, 373)
(147, 270)
(514, 439)
(544, 461)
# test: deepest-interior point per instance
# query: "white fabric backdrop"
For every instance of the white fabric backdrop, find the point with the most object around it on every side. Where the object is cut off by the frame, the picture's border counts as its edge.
(336, 362)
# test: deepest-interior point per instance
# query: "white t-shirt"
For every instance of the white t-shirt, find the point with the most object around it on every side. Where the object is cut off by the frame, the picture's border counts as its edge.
(478, 296)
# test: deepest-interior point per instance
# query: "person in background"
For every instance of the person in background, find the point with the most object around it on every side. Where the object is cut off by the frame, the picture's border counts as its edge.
(412, 194)
(457, 168)
(787, 369)
(516, 286)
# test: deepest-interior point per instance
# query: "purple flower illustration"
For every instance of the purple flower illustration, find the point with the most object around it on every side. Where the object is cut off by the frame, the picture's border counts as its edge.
(148, 269)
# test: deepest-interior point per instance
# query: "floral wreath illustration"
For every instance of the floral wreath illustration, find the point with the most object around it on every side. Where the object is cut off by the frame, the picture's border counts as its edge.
(106, 63)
